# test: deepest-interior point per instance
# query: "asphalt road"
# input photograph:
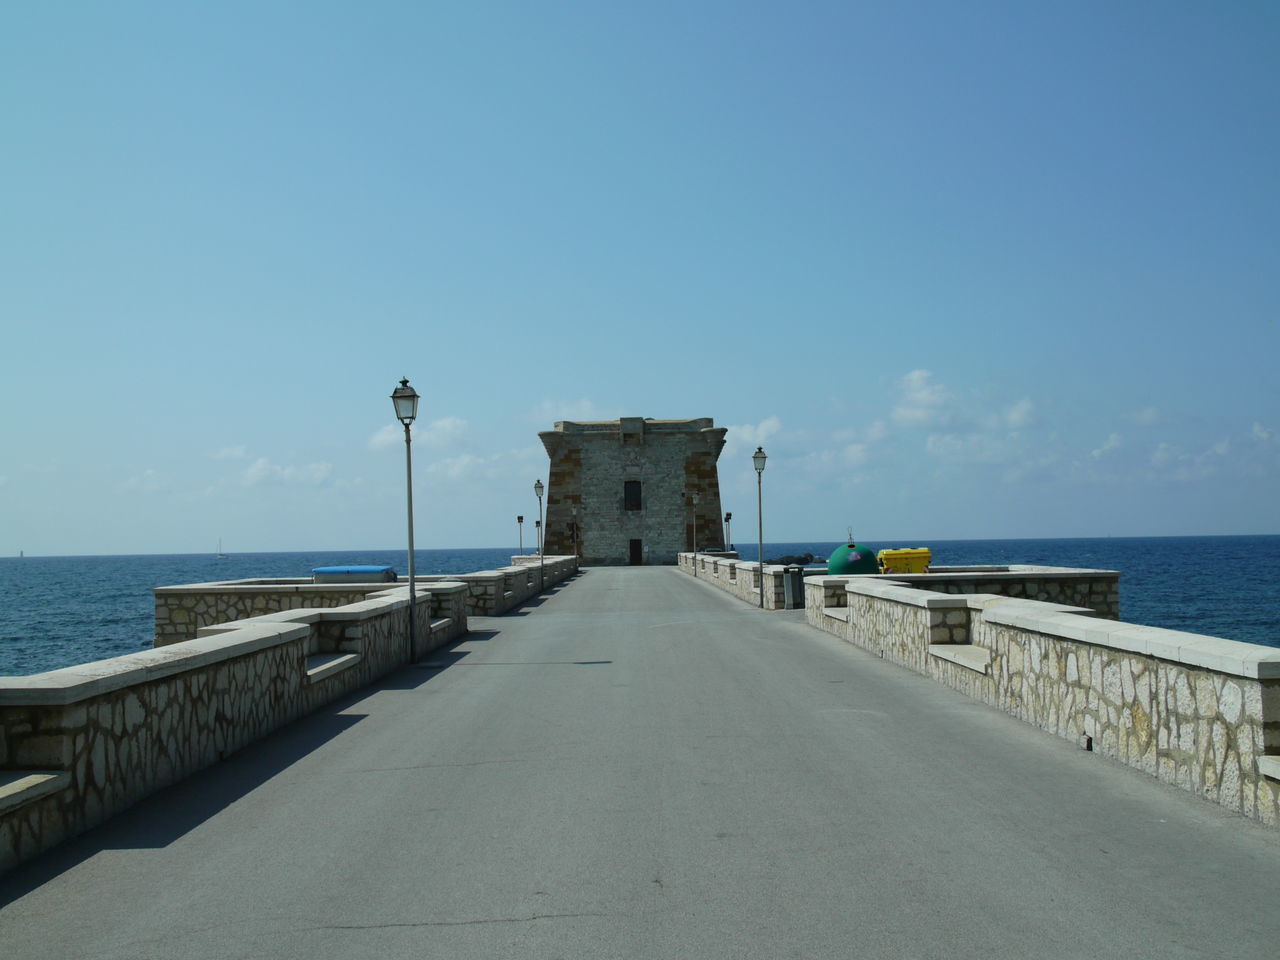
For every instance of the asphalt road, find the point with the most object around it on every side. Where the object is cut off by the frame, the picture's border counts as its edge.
(641, 766)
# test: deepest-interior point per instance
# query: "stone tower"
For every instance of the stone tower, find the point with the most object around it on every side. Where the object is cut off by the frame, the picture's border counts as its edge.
(623, 491)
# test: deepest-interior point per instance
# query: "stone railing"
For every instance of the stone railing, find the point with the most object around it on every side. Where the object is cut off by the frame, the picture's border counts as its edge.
(739, 577)
(1199, 712)
(83, 743)
(1098, 590)
(494, 592)
(182, 610)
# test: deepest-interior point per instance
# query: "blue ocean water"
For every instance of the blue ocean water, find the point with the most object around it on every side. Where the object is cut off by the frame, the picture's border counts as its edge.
(59, 611)
(1220, 586)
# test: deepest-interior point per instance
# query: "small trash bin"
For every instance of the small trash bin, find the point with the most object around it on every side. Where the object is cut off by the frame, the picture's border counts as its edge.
(793, 587)
(355, 573)
(905, 560)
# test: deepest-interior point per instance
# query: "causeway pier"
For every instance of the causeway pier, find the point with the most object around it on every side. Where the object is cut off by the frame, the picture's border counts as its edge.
(631, 762)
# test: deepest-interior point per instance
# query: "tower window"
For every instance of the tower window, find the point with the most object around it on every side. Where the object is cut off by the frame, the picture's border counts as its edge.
(631, 494)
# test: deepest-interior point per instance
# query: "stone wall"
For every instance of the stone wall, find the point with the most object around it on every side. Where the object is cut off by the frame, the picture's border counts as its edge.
(492, 593)
(1098, 590)
(80, 744)
(182, 610)
(738, 577)
(1198, 712)
(672, 460)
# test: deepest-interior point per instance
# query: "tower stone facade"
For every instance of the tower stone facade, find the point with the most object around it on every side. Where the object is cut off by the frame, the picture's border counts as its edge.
(624, 491)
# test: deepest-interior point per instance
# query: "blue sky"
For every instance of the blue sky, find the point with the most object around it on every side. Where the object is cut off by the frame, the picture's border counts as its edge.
(991, 269)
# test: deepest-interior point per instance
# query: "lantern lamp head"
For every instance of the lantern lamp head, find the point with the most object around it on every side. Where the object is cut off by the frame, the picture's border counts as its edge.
(405, 399)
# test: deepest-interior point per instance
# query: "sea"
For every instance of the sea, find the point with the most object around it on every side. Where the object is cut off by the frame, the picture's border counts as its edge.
(59, 611)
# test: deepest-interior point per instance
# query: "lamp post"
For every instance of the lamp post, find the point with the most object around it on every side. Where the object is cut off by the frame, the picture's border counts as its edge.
(758, 458)
(405, 400)
(728, 540)
(520, 526)
(537, 492)
(695, 498)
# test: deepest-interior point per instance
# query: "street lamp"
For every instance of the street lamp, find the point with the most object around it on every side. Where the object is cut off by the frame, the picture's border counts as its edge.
(537, 492)
(695, 498)
(728, 540)
(758, 458)
(405, 400)
(520, 526)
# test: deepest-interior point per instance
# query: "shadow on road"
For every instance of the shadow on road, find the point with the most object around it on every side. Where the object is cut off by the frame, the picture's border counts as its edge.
(532, 604)
(163, 817)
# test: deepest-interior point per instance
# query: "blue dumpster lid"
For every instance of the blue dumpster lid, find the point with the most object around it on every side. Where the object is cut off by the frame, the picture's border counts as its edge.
(355, 568)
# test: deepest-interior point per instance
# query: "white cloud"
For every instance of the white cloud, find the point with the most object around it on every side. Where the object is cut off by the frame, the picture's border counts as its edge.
(438, 433)
(1111, 443)
(1261, 433)
(386, 437)
(1021, 414)
(921, 402)
(856, 454)
(1046, 466)
(1165, 455)
(231, 453)
(443, 432)
(535, 452)
(1146, 417)
(746, 437)
(466, 465)
(965, 448)
(263, 470)
(877, 431)
(1180, 465)
(548, 412)
(148, 481)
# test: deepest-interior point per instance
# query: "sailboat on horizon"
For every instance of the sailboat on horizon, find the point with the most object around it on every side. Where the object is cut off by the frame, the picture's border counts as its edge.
(221, 555)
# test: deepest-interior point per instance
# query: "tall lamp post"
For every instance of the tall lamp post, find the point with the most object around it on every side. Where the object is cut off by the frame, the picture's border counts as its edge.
(520, 526)
(728, 540)
(695, 499)
(405, 400)
(758, 458)
(537, 492)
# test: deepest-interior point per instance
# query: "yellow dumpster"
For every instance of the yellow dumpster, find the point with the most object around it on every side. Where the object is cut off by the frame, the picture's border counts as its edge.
(905, 560)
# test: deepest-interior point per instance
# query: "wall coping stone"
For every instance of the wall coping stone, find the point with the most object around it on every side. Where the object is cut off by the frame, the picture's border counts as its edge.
(304, 585)
(83, 681)
(212, 644)
(321, 665)
(18, 787)
(892, 590)
(977, 659)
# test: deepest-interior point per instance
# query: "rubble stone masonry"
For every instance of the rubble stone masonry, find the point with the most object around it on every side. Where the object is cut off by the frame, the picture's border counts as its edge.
(668, 464)
(1202, 713)
(80, 744)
